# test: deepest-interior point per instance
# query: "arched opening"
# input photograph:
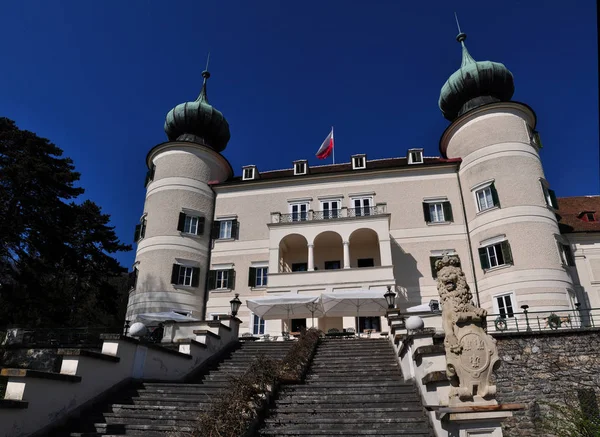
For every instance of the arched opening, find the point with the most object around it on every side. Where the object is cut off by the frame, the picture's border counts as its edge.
(329, 251)
(364, 249)
(293, 254)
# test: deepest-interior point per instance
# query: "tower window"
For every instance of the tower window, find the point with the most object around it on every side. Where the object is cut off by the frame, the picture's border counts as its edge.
(190, 224)
(132, 278)
(549, 195)
(359, 162)
(222, 279)
(495, 255)
(185, 275)
(150, 175)
(300, 167)
(140, 230)
(504, 305)
(248, 173)
(415, 156)
(486, 197)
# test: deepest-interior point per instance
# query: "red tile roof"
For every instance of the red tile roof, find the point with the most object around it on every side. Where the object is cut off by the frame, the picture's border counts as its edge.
(569, 208)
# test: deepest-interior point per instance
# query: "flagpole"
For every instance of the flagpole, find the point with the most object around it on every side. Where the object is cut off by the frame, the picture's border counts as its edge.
(333, 144)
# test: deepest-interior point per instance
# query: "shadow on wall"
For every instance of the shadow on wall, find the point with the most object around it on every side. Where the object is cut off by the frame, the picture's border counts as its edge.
(407, 276)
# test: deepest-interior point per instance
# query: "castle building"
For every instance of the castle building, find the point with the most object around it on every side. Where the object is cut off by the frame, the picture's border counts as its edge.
(206, 234)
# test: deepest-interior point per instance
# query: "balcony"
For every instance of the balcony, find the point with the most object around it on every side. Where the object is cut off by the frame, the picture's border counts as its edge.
(333, 214)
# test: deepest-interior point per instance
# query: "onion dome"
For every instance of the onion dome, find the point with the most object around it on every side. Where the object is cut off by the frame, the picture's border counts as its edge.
(198, 122)
(474, 84)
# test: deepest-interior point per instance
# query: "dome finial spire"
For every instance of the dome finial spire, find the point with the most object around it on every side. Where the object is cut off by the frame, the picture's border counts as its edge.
(205, 74)
(466, 56)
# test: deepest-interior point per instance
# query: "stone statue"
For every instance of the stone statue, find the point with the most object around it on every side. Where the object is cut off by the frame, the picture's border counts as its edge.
(471, 353)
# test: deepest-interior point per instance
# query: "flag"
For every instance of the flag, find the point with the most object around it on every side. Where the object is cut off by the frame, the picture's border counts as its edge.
(327, 146)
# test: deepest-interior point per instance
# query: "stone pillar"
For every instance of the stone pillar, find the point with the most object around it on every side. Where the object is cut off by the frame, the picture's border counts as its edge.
(311, 258)
(346, 254)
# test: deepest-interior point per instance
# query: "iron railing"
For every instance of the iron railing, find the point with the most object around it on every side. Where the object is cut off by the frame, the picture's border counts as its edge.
(332, 214)
(536, 321)
(88, 337)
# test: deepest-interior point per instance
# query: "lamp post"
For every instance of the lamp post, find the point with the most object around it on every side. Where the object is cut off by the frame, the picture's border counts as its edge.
(525, 307)
(235, 305)
(390, 297)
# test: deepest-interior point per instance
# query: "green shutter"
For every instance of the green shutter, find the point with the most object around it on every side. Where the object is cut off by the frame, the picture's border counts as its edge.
(136, 234)
(252, 277)
(506, 253)
(215, 229)
(494, 194)
(447, 212)
(195, 276)
(175, 274)
(432, 260)
(553, 198)
(235, 229)
(426, 212)
(181, 222)
(132, 280)
(201, 221)
(212, 279)
(143, 229)
(231, 279)
(483, 258)
(536, 139)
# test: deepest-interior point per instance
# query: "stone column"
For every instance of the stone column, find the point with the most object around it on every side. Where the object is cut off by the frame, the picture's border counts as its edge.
(311, 258)
(346, 254)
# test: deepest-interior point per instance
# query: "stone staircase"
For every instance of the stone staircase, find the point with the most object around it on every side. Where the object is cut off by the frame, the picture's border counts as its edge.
(157, 408)
(354, 388)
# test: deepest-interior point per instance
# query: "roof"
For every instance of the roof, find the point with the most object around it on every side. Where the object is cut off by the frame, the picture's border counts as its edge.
(569, 209)
(346, 167)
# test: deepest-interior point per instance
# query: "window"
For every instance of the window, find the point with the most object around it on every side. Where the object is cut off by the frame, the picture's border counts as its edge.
(248, 173)
(535, 138)
(190, 224)
(587, 216)
(257, 277)
(300, 167)
(185, 275)
(438, 256)
(487, 197)
(332, 265)
(566, 254)
(258, 325)
(365, 262)
(299, 267)
(373, 323)
(299, 212)
(132, 278)
(222, 279)
(415, 156)
(495, 255)
(549, 195)
(150, 175)
(437, 211)
(330, 208)
(140, 230)
(504, 304)
(217, 316)
(362, 206)
(359, 162)
(298, 325)
(225, 229)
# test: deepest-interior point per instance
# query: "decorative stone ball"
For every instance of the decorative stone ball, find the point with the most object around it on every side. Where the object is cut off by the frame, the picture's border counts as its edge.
(414, 322)
(138, 329)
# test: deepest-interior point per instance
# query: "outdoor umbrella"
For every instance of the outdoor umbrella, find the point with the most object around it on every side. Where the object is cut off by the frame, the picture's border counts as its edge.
(279, 307)
(354, 303)
(164, 316)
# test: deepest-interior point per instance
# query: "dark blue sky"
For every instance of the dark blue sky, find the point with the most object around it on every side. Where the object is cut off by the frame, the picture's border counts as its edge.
(97, 78)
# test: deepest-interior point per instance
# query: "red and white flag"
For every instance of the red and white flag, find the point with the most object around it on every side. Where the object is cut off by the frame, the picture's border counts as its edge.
(327, 146)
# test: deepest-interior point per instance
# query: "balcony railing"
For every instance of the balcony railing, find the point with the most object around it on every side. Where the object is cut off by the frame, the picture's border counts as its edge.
(536, 321)
(332, 214)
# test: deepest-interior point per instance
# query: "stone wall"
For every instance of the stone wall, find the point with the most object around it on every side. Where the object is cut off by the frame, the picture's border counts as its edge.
(540, 368)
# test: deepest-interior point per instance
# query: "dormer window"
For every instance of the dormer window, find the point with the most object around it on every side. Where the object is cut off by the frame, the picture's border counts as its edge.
(415, 156)
(300, 167)
(359, 162)
(248, 172)
(588, 216)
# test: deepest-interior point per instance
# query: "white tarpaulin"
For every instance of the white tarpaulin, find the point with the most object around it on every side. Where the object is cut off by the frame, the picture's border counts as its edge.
(285, 307)
(424, 307)
(363, 303)
(167, 315)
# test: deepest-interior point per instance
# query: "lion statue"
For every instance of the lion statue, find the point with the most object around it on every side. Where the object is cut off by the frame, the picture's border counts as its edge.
(456, 300)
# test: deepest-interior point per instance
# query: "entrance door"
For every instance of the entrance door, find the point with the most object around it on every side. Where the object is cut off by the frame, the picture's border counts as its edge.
(373, 323)
(298, 325)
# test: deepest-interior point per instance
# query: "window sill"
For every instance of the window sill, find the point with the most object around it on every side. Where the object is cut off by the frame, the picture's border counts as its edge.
(221, 290)
(438, 223)
(261, 288)
(493, 269)
(488, 210)
(190, 235)
(224, 239)
(183, 287)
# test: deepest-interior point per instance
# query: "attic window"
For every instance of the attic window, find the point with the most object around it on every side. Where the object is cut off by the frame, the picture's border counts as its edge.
(359, 162)
(248, 173)
(588, 216)
(299, 167)
(415, 156)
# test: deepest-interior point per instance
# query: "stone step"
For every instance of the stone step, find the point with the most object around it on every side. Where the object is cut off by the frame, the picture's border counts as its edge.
(324, 385)
(344, 390)
(350, 379)
(118, 419)
(319, 420)
(144, 430)
(352, 426)
(380, 432)
(374, 370)
(354, 410)
(181, 390)
(350, 402)
(152, 409)
(202, 397)
(317, 367)
(173, 401)
(349, 398)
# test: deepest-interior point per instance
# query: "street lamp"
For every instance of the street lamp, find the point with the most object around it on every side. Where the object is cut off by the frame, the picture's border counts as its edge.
(525, 308)
(390, 297)
(235, 305)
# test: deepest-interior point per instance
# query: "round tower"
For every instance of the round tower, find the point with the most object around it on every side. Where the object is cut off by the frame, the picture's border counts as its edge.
(509, 206)
(174, 234)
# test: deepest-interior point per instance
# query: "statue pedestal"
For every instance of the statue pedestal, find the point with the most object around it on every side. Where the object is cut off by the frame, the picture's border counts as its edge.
(476, 419)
